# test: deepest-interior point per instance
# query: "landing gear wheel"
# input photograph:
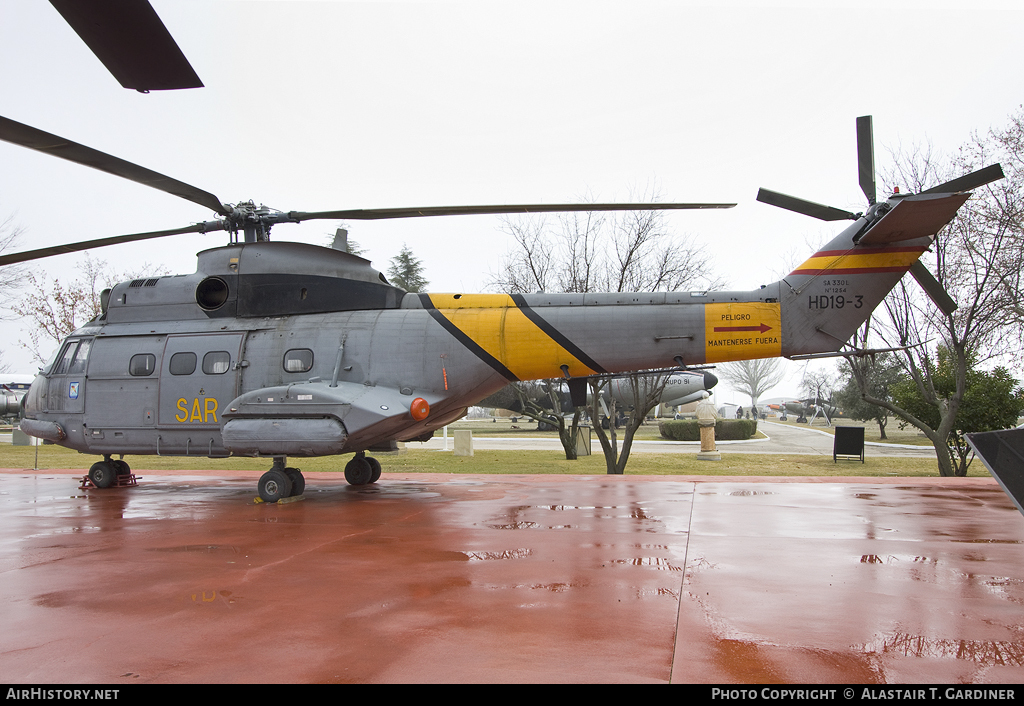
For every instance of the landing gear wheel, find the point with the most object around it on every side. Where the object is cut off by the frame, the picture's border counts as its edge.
(298, 482)
(122, 468)
(103, 474)
(274, 485)
(358, 471)
(375, 467)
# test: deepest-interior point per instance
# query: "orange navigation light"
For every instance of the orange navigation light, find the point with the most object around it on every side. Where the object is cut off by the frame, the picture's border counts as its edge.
(419, 409)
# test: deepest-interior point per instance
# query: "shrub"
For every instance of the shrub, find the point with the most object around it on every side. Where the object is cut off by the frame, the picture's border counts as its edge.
(725, 429)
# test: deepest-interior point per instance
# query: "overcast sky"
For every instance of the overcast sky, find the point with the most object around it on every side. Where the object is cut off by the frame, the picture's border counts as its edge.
(327, 105)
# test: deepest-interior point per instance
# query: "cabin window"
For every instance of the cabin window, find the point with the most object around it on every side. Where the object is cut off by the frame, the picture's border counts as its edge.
(183, 363)
(298, 360)
(142, 364)
(216, 362)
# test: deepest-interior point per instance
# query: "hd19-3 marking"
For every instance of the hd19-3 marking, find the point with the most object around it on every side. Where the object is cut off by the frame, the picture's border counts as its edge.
(834, 301)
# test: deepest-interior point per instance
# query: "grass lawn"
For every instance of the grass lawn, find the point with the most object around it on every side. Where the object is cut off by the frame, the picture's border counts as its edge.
(529, 462)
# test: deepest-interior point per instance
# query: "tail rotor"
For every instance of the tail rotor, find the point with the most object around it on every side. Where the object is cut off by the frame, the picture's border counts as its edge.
(901, 216)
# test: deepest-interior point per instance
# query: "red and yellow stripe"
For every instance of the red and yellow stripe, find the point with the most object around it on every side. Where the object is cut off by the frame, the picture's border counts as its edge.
(858, 261)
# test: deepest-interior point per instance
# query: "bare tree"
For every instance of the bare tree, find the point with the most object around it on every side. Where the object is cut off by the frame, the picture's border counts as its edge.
(1006, 210)
(976, 258)
(753, 377)
(543, 401)
(646, 389)
(633, 251)
(594, 252)
(57, 309)
(12, 277)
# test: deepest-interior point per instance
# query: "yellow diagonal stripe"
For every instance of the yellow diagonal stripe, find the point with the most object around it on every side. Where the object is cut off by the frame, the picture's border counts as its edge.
(497, 325)
(855, 260)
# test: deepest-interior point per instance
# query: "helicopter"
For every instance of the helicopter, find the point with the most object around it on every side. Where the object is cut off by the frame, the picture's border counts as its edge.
(284, 349)
(277, 349)
(12, 389)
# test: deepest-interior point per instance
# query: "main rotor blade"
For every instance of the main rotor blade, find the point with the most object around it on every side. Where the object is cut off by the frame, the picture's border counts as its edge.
(808, 208)
(373, 214)
(131, 41)
(983, 176)
(35, 139)
(932, 288)
(28, 255)
(866, 157)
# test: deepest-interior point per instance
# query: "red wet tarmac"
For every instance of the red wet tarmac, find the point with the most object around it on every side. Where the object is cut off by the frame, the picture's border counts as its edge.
(433, 578)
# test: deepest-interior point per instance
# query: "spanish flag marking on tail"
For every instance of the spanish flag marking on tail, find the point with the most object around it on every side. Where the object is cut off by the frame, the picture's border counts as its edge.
(859, 261)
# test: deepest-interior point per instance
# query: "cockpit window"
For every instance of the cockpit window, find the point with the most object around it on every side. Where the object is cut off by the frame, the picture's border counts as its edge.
(65, 360)
(49, 363)
(81, 358)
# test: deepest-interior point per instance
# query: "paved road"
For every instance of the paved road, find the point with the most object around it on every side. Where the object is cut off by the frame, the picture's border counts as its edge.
(784, 439)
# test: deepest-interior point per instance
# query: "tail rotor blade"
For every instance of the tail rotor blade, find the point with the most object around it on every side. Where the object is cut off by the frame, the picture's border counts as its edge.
(932, 287)
(968, 182)
(807, 208)
(866, 157)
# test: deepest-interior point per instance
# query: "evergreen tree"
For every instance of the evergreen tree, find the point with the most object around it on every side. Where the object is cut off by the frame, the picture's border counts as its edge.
(879, 376)
(406, 271)
(991, 400)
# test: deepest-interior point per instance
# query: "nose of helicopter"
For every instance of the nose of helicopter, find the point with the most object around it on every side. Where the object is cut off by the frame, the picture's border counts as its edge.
(32, 401)
(710, 380)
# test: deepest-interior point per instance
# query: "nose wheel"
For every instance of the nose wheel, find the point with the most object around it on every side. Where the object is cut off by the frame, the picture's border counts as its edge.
(362, 470)
(281, 482)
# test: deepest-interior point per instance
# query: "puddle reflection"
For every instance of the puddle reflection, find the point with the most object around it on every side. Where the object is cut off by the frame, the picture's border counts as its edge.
(984, 653)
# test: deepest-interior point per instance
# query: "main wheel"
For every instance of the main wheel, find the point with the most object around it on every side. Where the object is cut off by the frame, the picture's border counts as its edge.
(122, 468)
(298, 482)
(375, 467)
(274, 485)
(358, 471)
(103, 474)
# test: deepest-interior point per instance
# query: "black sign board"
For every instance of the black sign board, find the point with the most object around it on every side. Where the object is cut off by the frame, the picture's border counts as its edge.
(849, 442)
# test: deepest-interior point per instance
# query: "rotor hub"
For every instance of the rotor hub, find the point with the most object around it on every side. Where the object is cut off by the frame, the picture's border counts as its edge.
(253, 221)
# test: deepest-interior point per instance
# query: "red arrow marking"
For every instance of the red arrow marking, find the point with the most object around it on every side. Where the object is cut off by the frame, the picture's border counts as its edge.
(762, 328)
